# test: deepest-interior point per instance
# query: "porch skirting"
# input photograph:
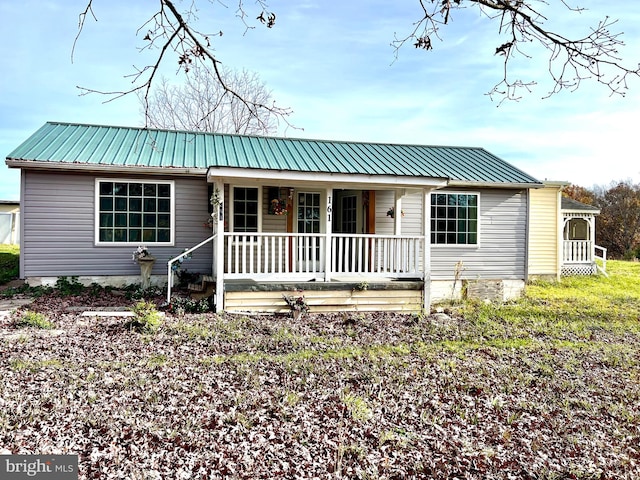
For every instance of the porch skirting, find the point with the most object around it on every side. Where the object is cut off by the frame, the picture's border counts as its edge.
(579, 269)
(322, 297)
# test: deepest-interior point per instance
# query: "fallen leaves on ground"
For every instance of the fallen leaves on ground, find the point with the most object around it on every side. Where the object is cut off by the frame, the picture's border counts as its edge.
(381, 396)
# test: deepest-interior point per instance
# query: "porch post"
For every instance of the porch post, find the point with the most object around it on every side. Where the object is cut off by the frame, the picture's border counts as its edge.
(328, 260)
(426, 250)
(592, 238)
(218, 253)
(397, 209)
(565, 239)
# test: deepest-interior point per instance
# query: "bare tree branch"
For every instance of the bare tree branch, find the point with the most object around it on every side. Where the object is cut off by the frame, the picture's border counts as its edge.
(81, 19)
(594, 56)
(169, 29)
(520, 23)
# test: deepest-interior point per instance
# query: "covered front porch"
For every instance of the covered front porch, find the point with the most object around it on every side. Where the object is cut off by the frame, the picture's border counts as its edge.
(332, 240)
(580, 253)
(334, 272)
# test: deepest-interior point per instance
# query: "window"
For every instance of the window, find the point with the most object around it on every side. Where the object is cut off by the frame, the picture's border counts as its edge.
(246, 209)
(134, 212)
(349, 214)
(309, 212)
(454, 219)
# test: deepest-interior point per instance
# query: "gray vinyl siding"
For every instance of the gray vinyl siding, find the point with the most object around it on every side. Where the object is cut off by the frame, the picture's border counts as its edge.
(59, 225)
(501, 252)
(411, 206)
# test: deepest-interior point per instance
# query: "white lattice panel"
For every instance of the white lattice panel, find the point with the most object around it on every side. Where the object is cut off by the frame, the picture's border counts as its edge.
(568, 270)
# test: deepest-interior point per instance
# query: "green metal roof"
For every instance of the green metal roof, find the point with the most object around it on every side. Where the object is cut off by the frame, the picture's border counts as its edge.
(65, 143)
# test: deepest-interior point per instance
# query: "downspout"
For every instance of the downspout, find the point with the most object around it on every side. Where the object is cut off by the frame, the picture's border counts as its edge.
(426, 251)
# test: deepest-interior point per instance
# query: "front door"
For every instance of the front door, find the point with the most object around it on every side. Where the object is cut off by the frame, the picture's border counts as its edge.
(350, 218)
(349, 214)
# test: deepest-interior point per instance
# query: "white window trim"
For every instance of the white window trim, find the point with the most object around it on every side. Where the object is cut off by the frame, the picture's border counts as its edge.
(231, 210)
(323, 209)
(172, 208)
(458, 245)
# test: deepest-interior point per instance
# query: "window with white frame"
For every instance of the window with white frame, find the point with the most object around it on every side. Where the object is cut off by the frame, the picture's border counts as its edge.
(246, 209)
(454, 218)
(130, 211)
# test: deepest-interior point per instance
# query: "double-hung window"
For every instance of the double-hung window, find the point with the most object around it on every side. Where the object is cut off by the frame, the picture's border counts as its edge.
(454, 218)
(246, 209)
(134, 211)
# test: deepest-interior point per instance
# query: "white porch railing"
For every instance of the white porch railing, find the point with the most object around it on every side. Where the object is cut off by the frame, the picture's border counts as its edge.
(255, 255)
(384, 255)
(175, 259)
(584, 252)
(601, 254)
(303, 255)
(577, 251)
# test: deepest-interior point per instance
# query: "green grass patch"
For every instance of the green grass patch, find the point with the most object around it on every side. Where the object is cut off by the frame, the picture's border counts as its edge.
(598, 294)
(20, 364)
(9, 263)
(146, 318)
(214, 328)
(577, 308)
(34, 319)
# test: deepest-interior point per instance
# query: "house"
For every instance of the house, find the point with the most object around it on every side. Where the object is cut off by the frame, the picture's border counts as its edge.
(561, 236)
(354, 226)
(9, 222)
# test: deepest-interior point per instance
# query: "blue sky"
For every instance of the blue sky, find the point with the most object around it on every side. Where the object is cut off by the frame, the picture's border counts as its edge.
(331, 62)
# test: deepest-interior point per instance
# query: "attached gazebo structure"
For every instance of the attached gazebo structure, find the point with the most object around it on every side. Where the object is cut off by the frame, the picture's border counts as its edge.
(579, 250)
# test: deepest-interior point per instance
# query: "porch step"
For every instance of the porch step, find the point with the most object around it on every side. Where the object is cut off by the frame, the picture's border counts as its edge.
(204, 289)
(198, 287)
